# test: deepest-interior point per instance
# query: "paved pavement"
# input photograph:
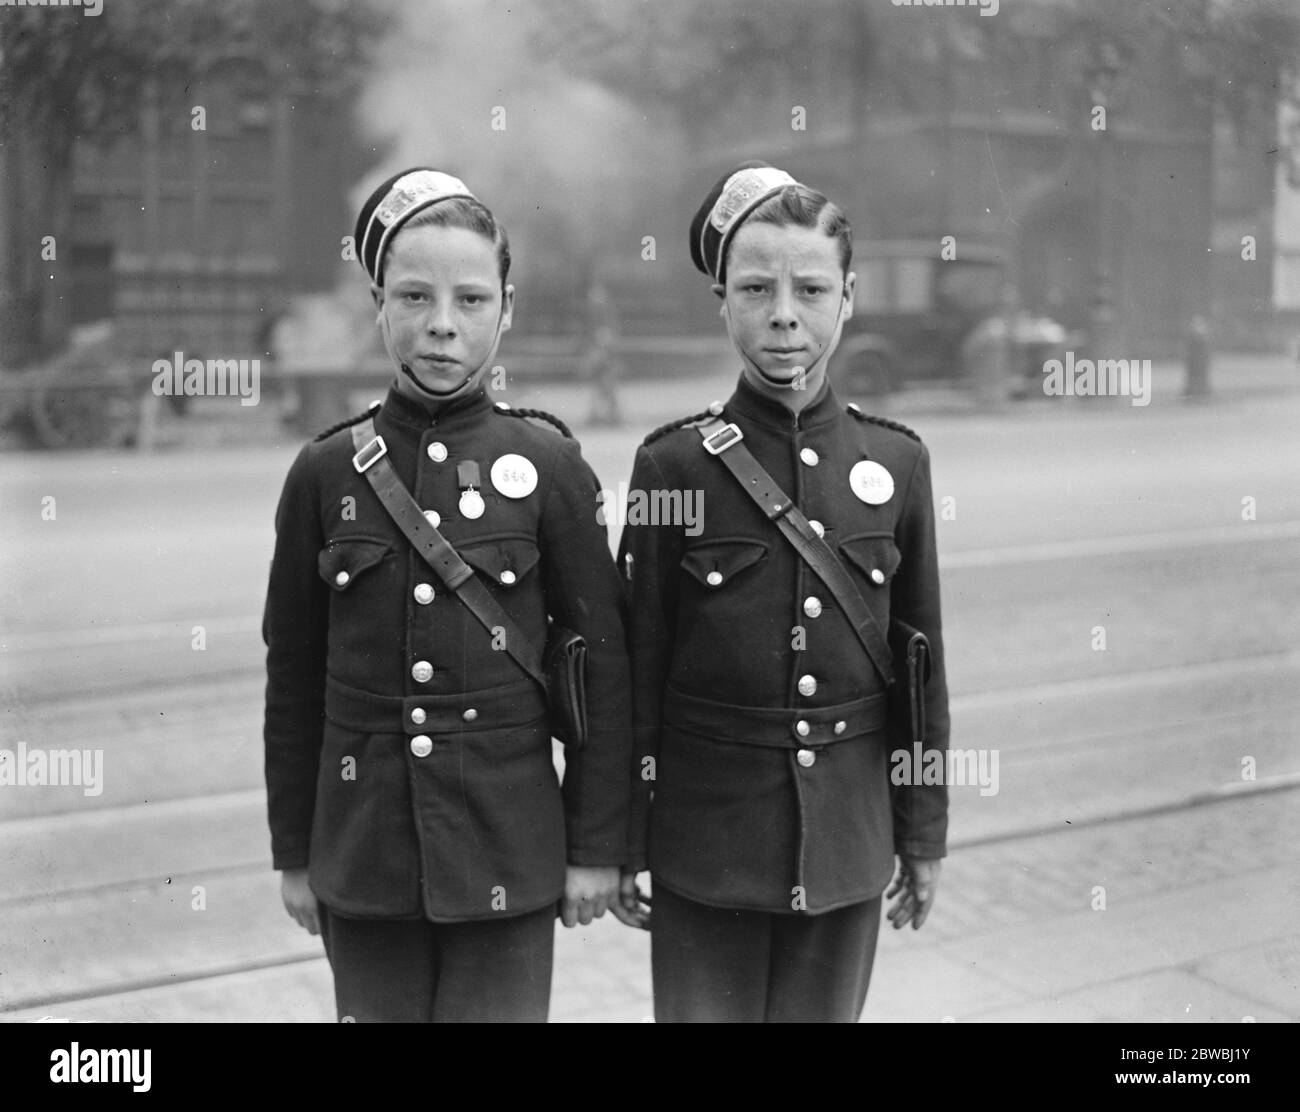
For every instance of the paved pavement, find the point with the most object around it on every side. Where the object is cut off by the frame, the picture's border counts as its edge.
(1020, 933)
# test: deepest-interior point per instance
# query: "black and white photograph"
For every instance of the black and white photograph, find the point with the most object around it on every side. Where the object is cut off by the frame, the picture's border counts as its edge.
(609, 511)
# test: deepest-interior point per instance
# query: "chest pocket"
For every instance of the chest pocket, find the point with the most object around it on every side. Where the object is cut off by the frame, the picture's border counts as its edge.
(341, 562)
(876, 556)
(504, 561)
(716, 563)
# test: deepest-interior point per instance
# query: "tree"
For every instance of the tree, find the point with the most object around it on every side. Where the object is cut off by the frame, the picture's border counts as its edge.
(682, 52)
(688, 54)
(69, 77)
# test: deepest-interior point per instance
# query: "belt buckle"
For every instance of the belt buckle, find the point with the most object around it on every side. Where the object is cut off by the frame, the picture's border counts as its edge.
(729, 430)
(372, 453)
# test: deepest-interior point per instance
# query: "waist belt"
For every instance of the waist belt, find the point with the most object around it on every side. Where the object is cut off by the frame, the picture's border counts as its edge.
(493, 708)
(776, 727)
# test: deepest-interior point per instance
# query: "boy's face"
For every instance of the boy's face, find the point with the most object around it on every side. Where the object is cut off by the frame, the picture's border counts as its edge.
(782, 300)
(439, 307)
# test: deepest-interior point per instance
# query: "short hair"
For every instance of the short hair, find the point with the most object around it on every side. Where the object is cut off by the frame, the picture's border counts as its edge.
(802, 207)
(461, 212)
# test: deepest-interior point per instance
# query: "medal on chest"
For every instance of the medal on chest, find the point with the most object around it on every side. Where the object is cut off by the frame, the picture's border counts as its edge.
(871, 483)
(514, 475)
(469, 479)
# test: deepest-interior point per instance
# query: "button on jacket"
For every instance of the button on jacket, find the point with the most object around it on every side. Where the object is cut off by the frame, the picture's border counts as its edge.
(761, 753)
(408, 761)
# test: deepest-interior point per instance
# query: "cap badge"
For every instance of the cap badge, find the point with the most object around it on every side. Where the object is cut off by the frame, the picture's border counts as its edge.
(418, 188)
(743, 189)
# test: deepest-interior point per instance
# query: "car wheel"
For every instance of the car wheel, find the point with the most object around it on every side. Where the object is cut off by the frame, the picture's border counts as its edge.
(869, 376)
(72, 416)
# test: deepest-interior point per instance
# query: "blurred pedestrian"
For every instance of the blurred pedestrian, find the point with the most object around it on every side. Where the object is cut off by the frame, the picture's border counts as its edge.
(763, 705)
(177, 400)
(1197, 382)
(421, 550)
(601, 364)
(267, 341)
(989, 353)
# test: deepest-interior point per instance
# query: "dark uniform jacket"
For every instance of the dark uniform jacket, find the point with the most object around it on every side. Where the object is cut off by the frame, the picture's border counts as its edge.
(476, 827)
(761, 710)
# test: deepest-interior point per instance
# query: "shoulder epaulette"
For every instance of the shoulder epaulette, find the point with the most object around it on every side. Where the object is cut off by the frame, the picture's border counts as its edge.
(540, 414)
(857, 412)
(348, 422)
(714, 410)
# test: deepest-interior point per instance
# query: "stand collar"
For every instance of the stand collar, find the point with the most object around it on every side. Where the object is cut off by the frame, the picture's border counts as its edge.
(407, 411)
(754, 406)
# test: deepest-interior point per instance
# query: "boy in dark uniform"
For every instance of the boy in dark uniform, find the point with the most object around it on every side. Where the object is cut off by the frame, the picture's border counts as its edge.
(414, 807)
(762, 734)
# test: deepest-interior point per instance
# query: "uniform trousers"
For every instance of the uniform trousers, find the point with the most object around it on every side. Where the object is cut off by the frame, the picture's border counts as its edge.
(415, 971)
(721, 965)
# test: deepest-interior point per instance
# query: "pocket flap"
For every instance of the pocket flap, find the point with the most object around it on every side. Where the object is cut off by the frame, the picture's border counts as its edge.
(340, 562)
(716, 562)
(877, 557)
(505, 561)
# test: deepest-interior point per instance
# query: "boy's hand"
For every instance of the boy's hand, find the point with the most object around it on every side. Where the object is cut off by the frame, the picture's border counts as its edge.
(300, 900)
(917, 879)
(588, 893)
(631, 908)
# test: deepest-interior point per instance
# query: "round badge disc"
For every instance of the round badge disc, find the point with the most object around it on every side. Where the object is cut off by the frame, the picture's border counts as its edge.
(871, 482)
(514, 476)
(471, 504)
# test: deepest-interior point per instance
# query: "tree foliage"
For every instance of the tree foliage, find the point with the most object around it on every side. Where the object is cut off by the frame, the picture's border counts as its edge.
(684, 52)
(64, 71)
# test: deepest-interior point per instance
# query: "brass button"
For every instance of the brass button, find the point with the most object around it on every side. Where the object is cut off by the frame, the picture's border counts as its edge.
(715, 408)
(424, 593)
(841, 726)
(809, 457)
(807, 685)
(812, 606)
(437, 451)
(802, 728)
(470, 715)
(421, 745)
(806, 757)
(713, 578)
(342, 579)
(433, 518)
(877, 576)
(507, 577)
(818, 528)
(422, 671)
(418, 715)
